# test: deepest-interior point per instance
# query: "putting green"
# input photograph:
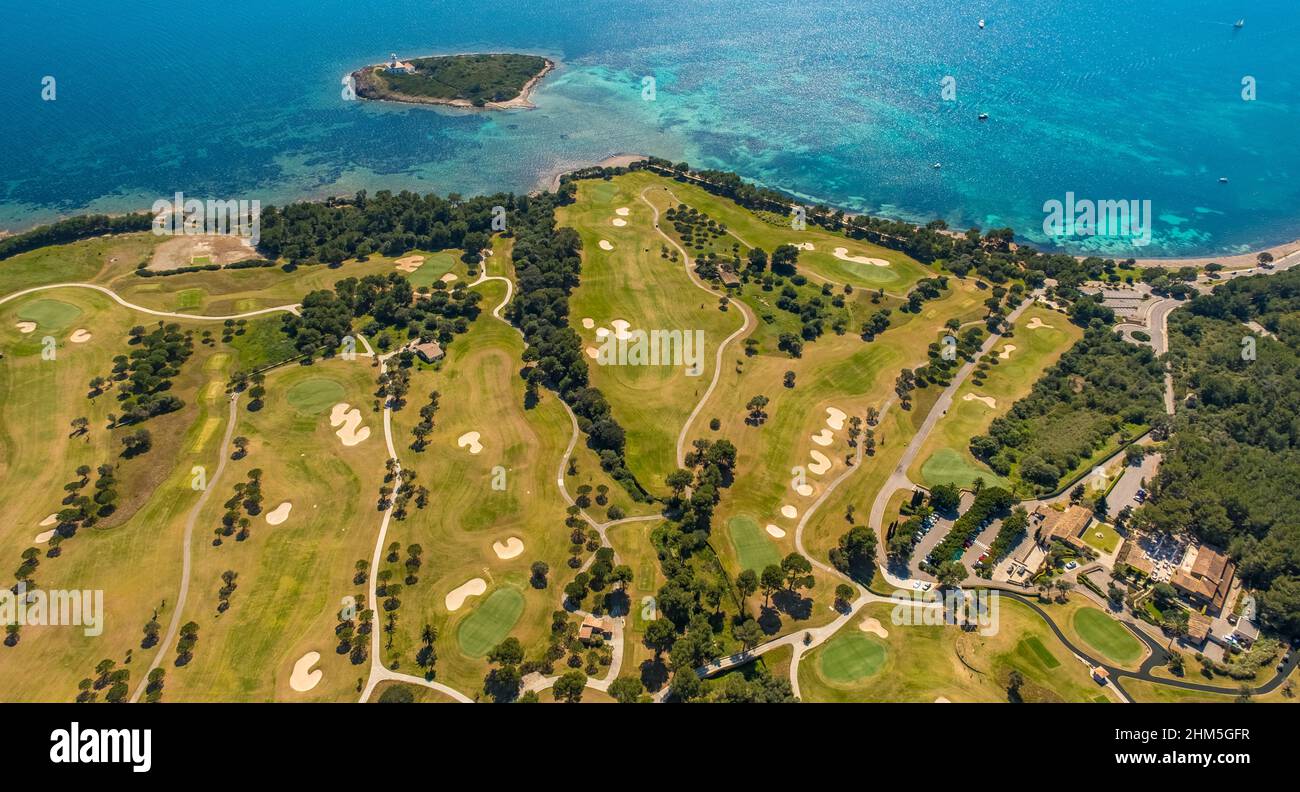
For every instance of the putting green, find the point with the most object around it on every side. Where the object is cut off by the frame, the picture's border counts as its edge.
(948, 466)
(851, 656)
(315, 395)
(49, 315)
(490, 622)
(753, 548)
(434, 267)
(1106, 635)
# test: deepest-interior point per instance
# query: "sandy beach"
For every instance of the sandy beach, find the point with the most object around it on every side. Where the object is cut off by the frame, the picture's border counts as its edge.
(1238, 261)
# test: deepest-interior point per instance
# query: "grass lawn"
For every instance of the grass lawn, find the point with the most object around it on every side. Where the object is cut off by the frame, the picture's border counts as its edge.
(490, 622)
(315, 395)
(50, 315)
(946, 456)
(435, 266)
(922, 663)
(189, 299)
(292, 577)
(852, 656)
(754, 549)
(1107, 541)
(1107, 636)
(634, 283)
(133, 554)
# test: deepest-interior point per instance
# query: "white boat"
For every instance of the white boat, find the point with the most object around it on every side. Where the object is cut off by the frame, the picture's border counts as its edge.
(938, 165)
(1240, 23)
(984, 116)
(1223, 180)
(982, 24)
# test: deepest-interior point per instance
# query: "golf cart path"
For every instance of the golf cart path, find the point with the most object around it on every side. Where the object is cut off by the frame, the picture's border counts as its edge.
(178, 609)
(292, 308)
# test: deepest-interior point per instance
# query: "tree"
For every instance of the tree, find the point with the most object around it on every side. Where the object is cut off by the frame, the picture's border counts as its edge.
(1015, 680)
(626, 690)
(568, 688)
(951, 574)
(748, 633)
(507, 653)
(797, 571)
(843, 594)
(80, 426)
(1134, 454)
(945, 498)
(686, 685)
(660, 635)
(771, 582)
(746, 584)
(539, 571)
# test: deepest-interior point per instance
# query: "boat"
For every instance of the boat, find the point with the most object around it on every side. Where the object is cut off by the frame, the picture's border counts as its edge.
(1240, 23)
(1223, 180)
(982, 24)
(938, 165)
(984, 116)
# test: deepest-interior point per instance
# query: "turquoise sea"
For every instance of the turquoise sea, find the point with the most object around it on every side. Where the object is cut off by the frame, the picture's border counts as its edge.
(833, 100)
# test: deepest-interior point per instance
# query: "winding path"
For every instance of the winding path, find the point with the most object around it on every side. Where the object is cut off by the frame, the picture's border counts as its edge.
(293, 308)
(179, 608)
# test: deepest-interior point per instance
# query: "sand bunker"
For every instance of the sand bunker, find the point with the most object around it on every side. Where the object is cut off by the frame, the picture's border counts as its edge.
(43, 536)
(820, 463)
(51, 520)
(835, 418)
(988, 400)
(512, 547)
(604, 245)
(775, 533)
(279, 514)
(874, 627)
(789, 512)
(303, 678)
(26, 327)
(622, 211)
(1035, 323)
(942, 700)
(409, 263)
(601, 332)
(79, 336)
(588, 322)
(448, 277)
(470, 439)
(806, 246)
(1007, 349)
(618, 221)
(843, 255)
(593, 353)
(823, 438)
(621, 329)
(804, 489)
(349, 418)
(470, 588)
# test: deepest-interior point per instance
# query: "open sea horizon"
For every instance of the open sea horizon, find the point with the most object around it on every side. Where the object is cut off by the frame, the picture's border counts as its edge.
(847, 103)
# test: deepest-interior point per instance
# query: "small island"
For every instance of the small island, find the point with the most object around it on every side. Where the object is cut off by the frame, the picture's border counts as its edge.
(497, 81)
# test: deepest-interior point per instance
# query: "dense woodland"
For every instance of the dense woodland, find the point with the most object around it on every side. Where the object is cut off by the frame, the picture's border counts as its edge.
(1232, 468)
(1078, 406)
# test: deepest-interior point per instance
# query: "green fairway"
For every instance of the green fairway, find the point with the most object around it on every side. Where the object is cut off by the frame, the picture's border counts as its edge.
(753, 548)
(315, 395)
(490, 622)
(1036, 647)
(1106, 635)
(948, 466)
(189, 299)
(851, 656)
(49, 315)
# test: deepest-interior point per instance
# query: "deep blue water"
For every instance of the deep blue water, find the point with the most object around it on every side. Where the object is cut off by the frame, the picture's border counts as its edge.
(836, 101)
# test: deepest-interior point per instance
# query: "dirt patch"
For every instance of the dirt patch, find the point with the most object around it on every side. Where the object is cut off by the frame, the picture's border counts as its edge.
(191, 251)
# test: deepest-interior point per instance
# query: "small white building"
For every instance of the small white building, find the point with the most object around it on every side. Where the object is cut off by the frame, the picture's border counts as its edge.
(398, 67)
